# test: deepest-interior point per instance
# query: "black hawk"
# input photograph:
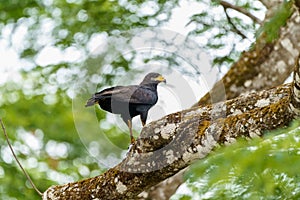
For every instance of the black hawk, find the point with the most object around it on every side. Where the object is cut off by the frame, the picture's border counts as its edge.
(129, 101)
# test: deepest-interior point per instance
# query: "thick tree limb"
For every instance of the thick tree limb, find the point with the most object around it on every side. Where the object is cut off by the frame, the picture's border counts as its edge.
(165, 189)
(240, 75)
(173, 142)
(264, 66)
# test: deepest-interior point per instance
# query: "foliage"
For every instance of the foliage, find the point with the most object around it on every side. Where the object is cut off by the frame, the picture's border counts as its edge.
(42, 103)
(39, 106)
(272, 27)
(225, 33)
(263, 168)
(70, 22)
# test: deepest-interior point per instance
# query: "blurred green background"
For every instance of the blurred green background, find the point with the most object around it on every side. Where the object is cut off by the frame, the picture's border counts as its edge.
(56, 53)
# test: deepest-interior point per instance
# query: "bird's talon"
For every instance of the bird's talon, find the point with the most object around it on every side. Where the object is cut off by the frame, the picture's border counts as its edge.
(132, 140)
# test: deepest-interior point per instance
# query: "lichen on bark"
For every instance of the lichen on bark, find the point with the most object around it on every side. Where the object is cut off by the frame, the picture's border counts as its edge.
(170, 144)
(191, 134)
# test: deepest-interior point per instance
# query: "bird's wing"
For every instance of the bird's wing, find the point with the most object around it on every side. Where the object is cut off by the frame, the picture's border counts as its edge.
(131, 94)
(108, 92)
(144, 96)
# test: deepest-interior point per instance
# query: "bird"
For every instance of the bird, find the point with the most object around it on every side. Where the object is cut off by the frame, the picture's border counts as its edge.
(129, 101)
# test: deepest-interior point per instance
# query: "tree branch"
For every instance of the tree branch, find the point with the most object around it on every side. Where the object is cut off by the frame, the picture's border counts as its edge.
(264, 66)
(239, 76)
(227, 5)
(17, 160)
(235, 29)
(173, 142)
(170, 144)
(165, 189)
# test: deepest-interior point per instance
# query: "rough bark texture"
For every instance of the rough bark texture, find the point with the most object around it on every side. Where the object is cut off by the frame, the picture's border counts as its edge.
(271, 4)
(252, 72)
(165, 189)
(264, 66)
(170, 144)
(295, 97)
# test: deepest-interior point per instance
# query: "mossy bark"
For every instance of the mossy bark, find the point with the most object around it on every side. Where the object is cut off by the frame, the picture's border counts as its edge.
(170, 144)
(254, 71)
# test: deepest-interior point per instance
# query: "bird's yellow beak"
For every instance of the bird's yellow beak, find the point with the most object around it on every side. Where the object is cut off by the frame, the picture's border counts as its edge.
(160, 79)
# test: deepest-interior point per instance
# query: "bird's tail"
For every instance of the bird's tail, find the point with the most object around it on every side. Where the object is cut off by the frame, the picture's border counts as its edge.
(91, 102)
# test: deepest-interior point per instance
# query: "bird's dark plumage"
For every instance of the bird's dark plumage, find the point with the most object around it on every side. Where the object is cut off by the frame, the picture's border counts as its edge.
(129, 101)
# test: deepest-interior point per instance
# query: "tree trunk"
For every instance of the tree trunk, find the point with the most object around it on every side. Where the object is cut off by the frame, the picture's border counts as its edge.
(170, 144)
(254, 71)
(264, 66)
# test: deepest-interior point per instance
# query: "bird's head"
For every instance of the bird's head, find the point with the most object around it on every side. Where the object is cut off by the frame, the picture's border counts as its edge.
(153, 78)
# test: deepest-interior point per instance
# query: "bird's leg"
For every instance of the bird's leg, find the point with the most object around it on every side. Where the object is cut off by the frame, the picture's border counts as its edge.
(132, 140)
(143, 123)
(143, 118)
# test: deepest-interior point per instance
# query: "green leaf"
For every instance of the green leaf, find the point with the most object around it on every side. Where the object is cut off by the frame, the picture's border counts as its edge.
(272, 27)
(261, 167)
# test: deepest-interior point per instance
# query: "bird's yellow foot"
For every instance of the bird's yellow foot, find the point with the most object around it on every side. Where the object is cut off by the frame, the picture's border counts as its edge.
(132, 140)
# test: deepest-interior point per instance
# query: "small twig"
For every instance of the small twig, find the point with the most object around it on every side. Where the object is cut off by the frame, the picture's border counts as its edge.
(241, 10)
(235, 29)
(20, 165)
